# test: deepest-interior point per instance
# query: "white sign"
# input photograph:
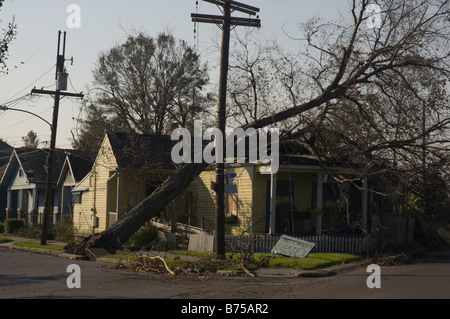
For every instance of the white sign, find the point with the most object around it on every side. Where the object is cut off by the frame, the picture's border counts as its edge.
(292, 247)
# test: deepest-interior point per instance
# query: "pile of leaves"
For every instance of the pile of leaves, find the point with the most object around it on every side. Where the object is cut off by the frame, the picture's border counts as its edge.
(393, 259)
(158, 265)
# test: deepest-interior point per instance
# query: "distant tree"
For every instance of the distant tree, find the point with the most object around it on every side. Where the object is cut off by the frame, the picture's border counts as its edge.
(142, 85)
(31, 140)
(8, 34)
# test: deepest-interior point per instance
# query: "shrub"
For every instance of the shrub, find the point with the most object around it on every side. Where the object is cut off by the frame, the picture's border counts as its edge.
(13, 224)
(28, 232)
(2, 228)
(144, 237)
(63, 229)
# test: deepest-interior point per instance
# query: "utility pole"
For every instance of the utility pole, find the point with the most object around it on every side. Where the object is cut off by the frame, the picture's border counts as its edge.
(61, 85)
(226, 21)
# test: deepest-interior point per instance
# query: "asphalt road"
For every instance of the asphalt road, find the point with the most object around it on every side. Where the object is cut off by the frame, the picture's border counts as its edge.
(26, 275)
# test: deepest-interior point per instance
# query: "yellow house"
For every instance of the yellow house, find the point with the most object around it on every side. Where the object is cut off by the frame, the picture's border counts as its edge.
(128, 167)
(289, 201)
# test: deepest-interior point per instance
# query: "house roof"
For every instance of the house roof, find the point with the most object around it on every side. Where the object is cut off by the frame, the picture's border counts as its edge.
(79, 163)
(5, 152)
(34, 164)
(141, 151)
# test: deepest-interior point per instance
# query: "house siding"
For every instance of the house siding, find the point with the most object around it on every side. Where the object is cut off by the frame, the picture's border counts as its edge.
(207, 203)
(95, 199)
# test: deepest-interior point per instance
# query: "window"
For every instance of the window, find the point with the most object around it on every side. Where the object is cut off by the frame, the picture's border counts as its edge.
(230, 204)
(76, 196)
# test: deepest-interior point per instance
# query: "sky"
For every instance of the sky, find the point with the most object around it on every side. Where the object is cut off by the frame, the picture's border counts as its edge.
(104, 24)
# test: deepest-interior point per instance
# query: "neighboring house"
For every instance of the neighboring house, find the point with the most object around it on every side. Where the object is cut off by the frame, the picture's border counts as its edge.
(5, 154)
(25, 179)
(127, 168)
(76, 166)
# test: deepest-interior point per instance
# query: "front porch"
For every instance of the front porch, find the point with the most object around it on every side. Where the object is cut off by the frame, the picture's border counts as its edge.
(300, 200)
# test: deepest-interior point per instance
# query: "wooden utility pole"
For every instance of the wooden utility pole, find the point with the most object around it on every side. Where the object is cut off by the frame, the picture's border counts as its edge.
(226, 21)
(60, 86)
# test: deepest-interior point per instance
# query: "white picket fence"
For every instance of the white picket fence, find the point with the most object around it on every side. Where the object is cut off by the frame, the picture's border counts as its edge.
(323, 243)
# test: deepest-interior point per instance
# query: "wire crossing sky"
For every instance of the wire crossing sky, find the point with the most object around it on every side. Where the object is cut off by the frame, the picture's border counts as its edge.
(93, 26)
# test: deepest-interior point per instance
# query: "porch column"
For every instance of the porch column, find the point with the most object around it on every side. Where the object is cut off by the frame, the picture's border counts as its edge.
(8, 204)
(319, 203)
(62, 201)
(34, 207)
(364, 204)
(273, 203)
(119, 195)
(20, 204)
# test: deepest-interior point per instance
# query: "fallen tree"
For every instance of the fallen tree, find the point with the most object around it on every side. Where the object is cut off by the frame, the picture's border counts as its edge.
(118, 233)
(355, 64)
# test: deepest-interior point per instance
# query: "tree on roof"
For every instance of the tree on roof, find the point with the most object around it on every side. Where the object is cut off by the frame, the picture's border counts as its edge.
(345, 62)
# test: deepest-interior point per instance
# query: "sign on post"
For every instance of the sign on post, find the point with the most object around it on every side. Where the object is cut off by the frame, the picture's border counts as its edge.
(292, 247)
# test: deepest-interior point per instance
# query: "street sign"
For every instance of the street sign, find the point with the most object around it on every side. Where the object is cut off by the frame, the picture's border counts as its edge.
(292, 247)
(230, 175)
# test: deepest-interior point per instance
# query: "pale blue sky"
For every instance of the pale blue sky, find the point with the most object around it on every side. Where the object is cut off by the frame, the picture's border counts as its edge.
(105, 23)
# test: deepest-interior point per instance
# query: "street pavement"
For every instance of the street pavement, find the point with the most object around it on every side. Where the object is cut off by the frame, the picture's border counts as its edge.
(43, 274)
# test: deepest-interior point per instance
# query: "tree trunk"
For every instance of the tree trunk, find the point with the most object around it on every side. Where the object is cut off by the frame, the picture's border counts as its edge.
(118, 233)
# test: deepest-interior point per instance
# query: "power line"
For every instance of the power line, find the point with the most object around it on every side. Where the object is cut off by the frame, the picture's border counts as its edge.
(28, 86)
(20, 122)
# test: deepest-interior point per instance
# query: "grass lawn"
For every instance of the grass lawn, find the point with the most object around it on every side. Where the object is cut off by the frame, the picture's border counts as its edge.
(33, 244)
(312, 261)
(5, 240)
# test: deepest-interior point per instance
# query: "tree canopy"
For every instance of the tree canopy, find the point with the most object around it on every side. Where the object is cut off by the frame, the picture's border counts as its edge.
(143, 85)
(6, 37)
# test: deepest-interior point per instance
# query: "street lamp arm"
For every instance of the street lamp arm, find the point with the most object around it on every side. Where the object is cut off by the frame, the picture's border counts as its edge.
(5, 108)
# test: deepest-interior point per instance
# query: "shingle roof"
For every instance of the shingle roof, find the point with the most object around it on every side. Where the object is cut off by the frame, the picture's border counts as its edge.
(142, 151)
(34, 163)
(81, 163)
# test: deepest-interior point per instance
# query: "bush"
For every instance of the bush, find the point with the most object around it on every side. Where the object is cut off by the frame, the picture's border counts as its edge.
(63, 230)
(2, 228)
(144, 237)
(29, 232)
(13, 224)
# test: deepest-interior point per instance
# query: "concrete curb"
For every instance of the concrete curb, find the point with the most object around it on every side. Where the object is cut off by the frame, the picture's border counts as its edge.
(42, 251)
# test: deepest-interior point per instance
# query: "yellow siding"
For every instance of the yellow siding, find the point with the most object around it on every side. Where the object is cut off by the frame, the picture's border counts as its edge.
(205, 204)
(260, 202)
(94, 200)
(206, 207)
(244, 200)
